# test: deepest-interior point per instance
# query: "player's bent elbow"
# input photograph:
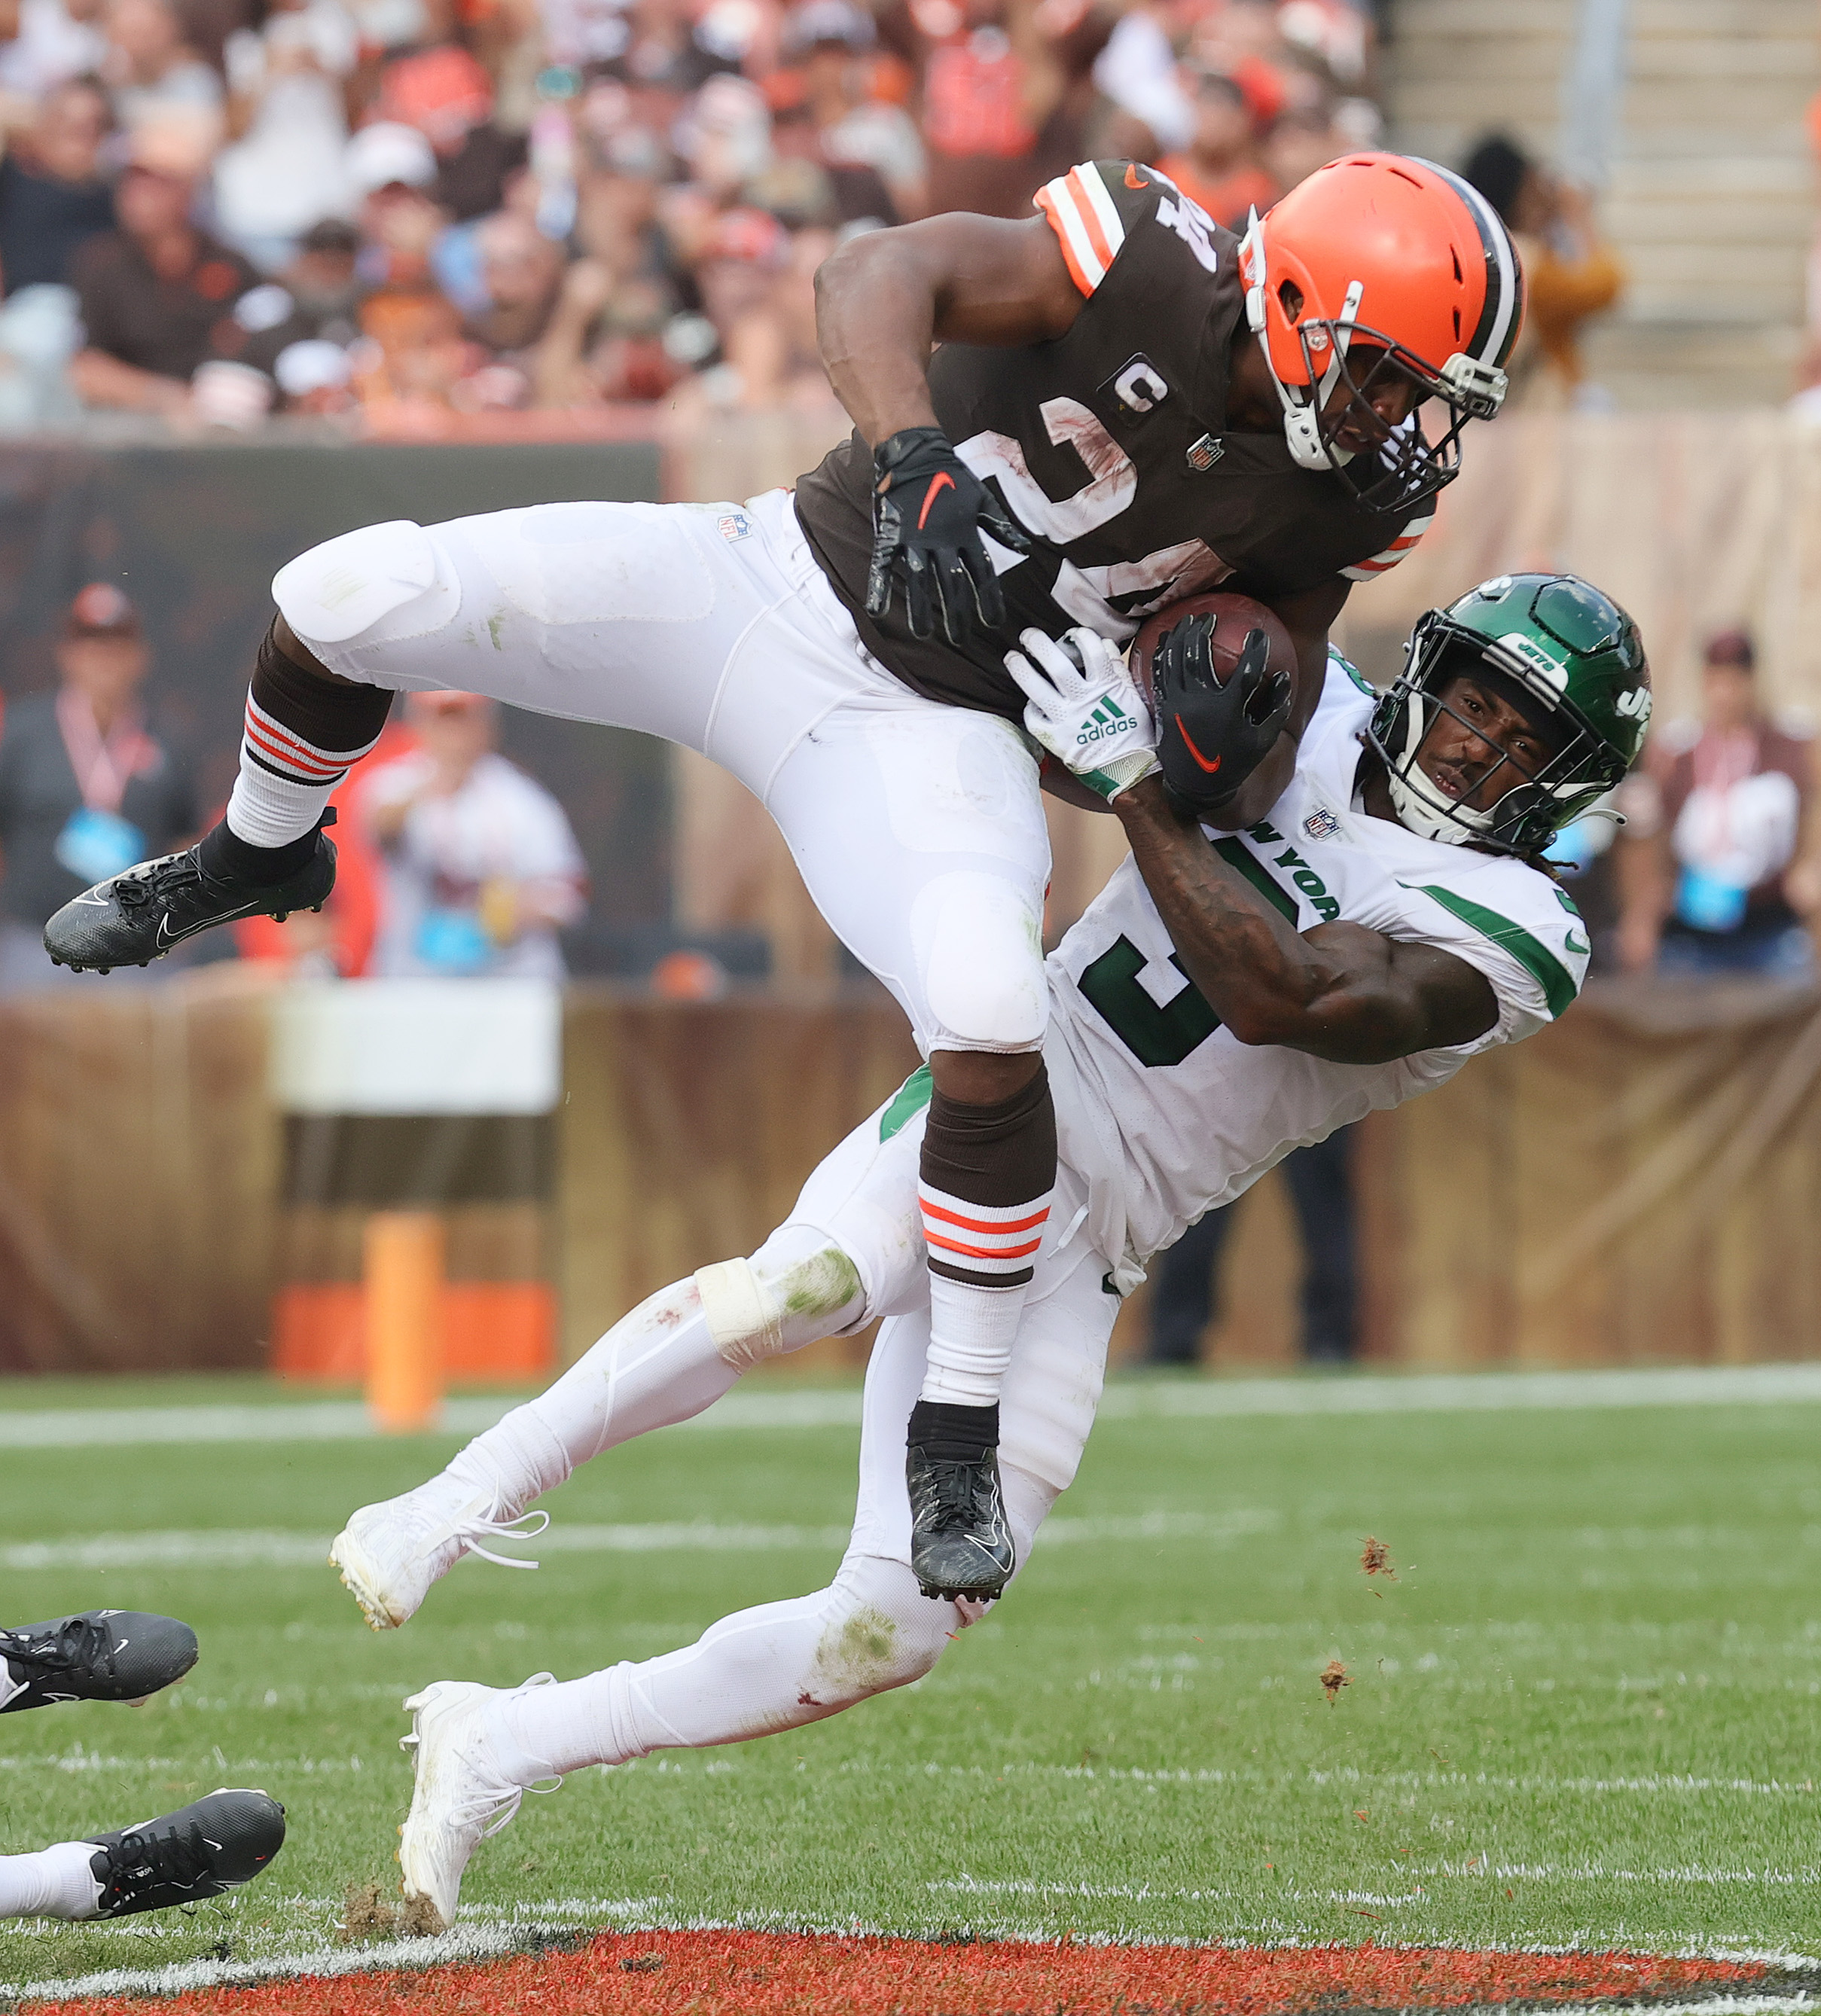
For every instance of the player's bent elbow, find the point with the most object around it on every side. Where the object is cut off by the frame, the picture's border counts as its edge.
(1263, 1026)
(849, 267)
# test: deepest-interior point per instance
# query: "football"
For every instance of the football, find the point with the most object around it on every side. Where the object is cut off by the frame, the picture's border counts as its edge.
(1236, 617)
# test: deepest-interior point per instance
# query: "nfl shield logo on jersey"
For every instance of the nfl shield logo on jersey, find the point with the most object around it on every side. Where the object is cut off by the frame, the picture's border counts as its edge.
(734, 525)
(1321, 824)
(1204, 454)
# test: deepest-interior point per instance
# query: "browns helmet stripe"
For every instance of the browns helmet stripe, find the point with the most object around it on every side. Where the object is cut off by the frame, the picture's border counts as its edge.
(1492, 339)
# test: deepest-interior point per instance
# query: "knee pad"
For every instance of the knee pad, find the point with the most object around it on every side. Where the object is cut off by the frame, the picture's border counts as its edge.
(882, 1632)
(793, 1290)
(338, 592)
(979, 944)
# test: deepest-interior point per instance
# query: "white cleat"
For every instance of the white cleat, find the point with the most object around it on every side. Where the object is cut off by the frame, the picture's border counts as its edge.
(390, 1554)
(460, 1795)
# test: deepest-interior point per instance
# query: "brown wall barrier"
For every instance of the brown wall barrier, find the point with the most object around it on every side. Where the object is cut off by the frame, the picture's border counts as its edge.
(1636, 1185)
(139, 1166)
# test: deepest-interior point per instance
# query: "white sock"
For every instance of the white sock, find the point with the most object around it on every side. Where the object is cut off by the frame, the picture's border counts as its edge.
(56, 1883)
(662, 1362)
(974, 1321)
(284, 781)
(773, 1667)
(972, 1330)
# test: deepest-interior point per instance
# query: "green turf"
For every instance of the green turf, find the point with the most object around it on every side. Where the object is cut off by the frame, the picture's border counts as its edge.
(1585, 1711)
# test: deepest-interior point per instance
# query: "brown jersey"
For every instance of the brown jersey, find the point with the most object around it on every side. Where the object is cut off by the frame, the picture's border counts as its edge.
(1109, 446)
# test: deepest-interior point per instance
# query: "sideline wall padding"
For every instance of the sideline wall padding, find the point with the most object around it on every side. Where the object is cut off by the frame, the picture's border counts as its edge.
(139, 1170)
(1636, 1185)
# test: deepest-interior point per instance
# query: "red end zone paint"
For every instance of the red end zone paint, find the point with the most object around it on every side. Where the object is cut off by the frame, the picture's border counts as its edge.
(731, 1973)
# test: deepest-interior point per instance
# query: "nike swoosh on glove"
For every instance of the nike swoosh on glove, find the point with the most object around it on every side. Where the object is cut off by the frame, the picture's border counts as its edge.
(1211, 736)
(1085, 707)
(929, 509)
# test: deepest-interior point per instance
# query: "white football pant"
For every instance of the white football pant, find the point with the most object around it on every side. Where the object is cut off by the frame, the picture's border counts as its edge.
(918, 828)
(785, 1664)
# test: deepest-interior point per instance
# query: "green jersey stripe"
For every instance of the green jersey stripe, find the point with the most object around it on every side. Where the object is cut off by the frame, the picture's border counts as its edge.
(1236, 854)
(907, 1102)
(1548, 971)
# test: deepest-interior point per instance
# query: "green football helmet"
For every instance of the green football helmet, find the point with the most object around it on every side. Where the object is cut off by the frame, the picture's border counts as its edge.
(1570, 656)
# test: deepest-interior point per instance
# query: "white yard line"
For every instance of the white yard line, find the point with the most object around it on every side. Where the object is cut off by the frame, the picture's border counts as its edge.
(974, 1886)
(1481, 1392)
(346, 1420)
(465, 1942)
(236, 1547)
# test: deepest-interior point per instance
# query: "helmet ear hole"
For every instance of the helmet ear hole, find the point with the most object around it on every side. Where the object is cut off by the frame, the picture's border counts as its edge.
(1290, 299)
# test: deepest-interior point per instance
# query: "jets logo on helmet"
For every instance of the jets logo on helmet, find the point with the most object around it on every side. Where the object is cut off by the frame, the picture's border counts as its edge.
(1571, 662)
(1378, 267)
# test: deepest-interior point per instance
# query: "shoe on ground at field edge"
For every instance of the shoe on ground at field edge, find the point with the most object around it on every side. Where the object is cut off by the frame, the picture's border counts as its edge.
(200, 1851)
(459, 1795)
(133, 918)
(390, 1554)
(961, 1545)
(108, 1655)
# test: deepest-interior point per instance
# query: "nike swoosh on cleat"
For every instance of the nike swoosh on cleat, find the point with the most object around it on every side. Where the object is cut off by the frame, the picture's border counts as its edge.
(166, 940)
(1133, 179)
(936, 483)
(1210, 768)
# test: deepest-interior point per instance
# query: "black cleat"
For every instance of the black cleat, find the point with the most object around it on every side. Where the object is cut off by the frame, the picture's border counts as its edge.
(961, 1545)
(132, 919)
(109, 1655)
(198, 1851)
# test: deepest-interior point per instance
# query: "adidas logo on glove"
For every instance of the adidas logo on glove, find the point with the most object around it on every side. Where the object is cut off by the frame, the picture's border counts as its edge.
(1107, 719)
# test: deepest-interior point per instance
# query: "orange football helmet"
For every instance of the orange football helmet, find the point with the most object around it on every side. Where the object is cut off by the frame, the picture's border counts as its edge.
(1394, 264)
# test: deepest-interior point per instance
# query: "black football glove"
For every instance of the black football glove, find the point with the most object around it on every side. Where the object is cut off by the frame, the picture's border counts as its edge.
(1211, 737)
(929, 509)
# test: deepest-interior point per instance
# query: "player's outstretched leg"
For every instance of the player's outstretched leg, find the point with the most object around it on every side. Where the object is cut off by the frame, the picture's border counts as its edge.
(629, 614)
(478, 1750)
(214, 1844)
(269, 855)
(106, 1655)
(674, 1356)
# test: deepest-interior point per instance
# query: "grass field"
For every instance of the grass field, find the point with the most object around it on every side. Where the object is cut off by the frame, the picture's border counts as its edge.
(1583, 1713)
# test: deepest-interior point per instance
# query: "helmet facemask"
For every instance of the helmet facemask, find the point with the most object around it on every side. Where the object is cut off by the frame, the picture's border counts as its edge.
(1404, 468)
(1537, 799)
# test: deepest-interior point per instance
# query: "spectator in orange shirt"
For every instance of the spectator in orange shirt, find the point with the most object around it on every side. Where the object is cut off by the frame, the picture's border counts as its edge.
(1219, 169)
(1571, 272)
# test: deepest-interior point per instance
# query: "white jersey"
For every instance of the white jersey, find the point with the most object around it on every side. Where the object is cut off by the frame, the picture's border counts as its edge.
(1162, 1111)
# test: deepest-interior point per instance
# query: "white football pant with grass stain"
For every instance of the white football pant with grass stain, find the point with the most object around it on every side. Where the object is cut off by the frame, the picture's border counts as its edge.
(851, 1249)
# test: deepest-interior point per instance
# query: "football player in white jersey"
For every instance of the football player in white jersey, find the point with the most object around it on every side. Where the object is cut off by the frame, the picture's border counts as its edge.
(1227, 997)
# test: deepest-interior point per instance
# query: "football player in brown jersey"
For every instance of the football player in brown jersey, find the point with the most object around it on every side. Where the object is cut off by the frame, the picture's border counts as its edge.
(1128, 404)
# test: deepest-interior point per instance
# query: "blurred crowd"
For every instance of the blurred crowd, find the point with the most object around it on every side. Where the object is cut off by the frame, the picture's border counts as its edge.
(409, 211)
(453, 862)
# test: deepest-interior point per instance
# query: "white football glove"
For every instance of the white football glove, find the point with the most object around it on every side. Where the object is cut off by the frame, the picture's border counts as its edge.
(1085, 707)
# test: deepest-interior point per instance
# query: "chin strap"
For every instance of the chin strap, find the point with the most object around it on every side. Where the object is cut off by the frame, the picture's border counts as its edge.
(1302, 410)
